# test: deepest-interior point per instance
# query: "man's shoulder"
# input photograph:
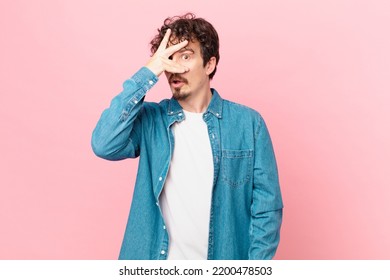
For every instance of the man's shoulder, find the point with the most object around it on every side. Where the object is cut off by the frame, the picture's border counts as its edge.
(234, 108)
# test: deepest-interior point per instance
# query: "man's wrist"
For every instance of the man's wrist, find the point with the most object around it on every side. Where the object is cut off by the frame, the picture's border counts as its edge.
(154, 69)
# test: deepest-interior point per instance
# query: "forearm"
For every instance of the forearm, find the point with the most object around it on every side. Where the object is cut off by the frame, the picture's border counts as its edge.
(265, 235)
(115, 136)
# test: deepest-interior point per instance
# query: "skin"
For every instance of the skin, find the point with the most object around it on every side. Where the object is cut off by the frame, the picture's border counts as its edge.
(182, 64)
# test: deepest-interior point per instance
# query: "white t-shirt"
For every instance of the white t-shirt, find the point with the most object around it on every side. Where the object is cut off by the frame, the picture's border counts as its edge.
(186, 197)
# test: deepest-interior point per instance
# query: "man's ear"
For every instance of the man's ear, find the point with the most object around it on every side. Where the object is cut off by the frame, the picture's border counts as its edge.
(210, 66)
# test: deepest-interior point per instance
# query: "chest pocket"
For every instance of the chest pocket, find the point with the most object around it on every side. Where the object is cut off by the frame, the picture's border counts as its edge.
(237, 166)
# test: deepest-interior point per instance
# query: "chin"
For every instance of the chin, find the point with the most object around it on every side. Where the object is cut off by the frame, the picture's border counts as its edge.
(180, 95)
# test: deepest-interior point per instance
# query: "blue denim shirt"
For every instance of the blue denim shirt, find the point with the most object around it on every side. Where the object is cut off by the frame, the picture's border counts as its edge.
(246, 206)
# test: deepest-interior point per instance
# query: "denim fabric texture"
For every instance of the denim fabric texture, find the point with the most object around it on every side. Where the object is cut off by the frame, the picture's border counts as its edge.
(246, 206)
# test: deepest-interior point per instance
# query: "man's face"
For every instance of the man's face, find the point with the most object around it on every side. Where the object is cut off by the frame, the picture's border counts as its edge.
(194, 81)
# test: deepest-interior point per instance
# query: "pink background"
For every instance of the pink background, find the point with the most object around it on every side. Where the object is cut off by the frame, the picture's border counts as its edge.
(318, 71)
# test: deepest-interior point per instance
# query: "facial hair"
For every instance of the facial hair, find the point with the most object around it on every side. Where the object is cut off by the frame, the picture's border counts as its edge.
(179, 95)
(176, 92)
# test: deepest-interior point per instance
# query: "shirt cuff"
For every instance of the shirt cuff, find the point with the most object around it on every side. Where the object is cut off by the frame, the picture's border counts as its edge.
(145, 78)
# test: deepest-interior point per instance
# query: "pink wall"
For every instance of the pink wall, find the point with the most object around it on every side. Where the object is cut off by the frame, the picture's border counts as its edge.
(318, 72)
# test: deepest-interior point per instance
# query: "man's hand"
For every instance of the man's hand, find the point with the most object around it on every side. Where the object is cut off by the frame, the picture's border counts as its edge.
(160, 61)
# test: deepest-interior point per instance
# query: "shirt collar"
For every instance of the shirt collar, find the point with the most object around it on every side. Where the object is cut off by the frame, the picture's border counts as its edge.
(215, 106)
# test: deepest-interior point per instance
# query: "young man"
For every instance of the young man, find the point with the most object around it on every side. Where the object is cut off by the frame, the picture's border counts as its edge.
(207, 184)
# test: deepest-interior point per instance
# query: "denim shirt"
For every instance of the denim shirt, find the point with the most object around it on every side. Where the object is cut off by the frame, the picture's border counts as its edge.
(246, 205)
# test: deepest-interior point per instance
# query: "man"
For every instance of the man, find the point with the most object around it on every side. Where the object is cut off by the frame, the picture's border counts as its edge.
(207, 184)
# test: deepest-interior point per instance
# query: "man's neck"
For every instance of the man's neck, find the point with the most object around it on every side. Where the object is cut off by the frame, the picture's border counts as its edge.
(197, 103)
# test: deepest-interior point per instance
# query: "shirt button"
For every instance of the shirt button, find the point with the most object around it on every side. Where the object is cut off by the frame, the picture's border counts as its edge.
(135, 101)
(217, 114)
(157, 203)
(164, 227)
(160, 179)
(162, 252)
(150, 82)
(180, 114)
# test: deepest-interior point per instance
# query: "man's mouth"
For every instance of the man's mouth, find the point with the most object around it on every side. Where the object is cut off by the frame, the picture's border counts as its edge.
(177, 82)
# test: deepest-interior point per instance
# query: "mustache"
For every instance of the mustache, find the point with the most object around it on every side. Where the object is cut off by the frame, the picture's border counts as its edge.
(176, 77)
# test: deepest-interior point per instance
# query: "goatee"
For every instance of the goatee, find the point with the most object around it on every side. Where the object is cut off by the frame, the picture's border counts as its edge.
(178, 95)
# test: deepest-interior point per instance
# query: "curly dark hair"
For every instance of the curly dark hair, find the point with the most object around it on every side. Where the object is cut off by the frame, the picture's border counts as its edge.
(189, 27)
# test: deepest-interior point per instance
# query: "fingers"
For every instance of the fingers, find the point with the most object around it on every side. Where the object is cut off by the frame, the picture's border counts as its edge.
(173, 67)
(174, 48)
(164, 41)
(160, 61)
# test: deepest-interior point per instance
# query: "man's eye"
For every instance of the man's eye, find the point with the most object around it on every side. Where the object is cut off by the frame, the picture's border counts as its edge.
(185, 56)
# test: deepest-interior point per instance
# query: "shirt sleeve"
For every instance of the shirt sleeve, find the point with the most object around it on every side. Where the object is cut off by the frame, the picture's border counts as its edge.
(117, 133)
(266, 208)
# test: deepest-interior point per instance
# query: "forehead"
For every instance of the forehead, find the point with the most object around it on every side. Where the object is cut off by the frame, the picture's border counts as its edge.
(192, 44)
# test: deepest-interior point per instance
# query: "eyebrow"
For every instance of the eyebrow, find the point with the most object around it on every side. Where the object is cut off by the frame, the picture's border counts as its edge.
(186, 49)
